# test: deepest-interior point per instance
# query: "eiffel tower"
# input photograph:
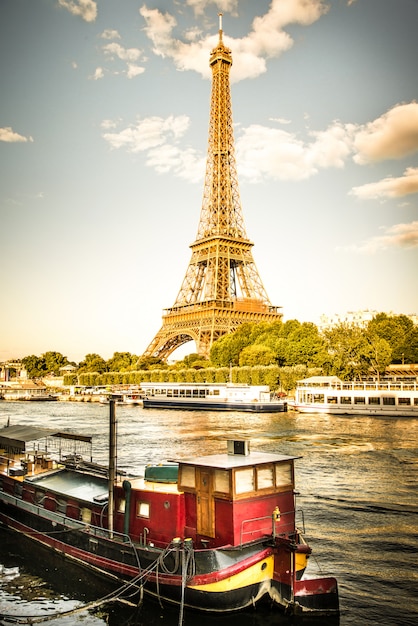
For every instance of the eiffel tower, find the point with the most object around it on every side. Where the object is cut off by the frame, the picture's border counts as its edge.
(222, 288)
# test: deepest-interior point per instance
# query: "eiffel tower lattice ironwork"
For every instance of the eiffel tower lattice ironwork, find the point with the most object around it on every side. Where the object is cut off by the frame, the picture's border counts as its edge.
(222, 288)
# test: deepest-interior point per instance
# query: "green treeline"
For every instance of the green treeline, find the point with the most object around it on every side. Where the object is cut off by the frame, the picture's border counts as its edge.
(265, 353)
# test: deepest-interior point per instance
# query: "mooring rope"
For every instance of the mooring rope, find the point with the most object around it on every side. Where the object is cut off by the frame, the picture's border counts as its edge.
(136, 582)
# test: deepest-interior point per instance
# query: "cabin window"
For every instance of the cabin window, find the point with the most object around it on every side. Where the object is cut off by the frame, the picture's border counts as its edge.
(319, 398)
(404, 401)
(244, 480)
(222, 481)
(389, 401)
(374, 400)
(283, 474)
(332, 399)
(265, 479)
(188, 476)
(345, 400)
(360, 400)
(416, 401)
(85, 515)
(121, 505)
(143, 509)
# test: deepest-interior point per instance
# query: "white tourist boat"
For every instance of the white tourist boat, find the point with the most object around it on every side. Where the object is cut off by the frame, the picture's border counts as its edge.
(211, 397)
(329, 394)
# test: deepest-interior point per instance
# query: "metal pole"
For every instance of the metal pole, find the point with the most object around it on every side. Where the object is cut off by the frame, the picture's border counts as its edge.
(112, 462)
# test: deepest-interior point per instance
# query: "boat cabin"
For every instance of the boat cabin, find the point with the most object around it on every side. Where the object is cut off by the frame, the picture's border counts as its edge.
(217, 500)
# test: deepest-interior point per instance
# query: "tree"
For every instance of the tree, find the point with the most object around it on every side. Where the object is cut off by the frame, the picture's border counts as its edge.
(34, 365)
(378, 354)
(395, 329)
(409, 352)
(349, 351)
(305, 346)
(54, 361)
(122, 362)
(149, 362)
(92, 363)
(256, 355)
(226, 350)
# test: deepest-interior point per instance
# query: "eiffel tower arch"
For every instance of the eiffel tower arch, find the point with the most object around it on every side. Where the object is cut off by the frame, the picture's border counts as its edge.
(222, 288)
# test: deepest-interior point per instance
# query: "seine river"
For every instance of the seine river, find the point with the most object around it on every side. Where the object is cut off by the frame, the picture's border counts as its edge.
(357, 479)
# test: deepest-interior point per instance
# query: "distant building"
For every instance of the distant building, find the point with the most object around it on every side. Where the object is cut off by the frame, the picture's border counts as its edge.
(355, 318)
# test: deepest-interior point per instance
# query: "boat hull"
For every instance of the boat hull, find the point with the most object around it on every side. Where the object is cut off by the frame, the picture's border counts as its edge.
(191, 578)
(331, 409)
(216, 405)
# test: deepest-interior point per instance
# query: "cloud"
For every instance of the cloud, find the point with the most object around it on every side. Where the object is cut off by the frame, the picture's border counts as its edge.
(390, 187)
(186, 164)
(128, 55)
(266, 40)
(86, 9)
(264, 152)
(394, 135)
(199, 6)
(403, 236)
(125, 54)
(110, 34)
(8, 135)
(158, 138)
(98, 73)
(148, 133)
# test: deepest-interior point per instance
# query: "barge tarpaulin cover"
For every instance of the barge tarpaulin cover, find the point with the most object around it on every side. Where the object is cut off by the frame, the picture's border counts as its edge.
(13, 439)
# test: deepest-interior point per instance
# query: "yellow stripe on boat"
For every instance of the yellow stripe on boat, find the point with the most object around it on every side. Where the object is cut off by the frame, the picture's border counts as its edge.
(253, 575)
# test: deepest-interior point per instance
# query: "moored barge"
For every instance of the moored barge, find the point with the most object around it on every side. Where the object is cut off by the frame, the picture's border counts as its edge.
(215, 533)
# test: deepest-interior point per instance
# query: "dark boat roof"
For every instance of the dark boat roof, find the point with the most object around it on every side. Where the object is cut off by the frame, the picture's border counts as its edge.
(228, 461)
(23, 433)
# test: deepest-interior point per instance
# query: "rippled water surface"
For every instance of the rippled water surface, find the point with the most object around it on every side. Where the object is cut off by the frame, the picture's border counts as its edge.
(357, 481)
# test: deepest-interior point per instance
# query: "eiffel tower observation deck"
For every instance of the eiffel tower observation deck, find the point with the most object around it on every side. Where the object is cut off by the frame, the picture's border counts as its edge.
(222, 288)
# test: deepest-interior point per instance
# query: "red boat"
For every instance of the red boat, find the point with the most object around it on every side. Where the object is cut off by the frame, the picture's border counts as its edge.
(215, 533)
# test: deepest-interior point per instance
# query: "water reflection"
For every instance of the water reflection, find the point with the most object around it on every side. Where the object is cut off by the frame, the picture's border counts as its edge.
(357, 482)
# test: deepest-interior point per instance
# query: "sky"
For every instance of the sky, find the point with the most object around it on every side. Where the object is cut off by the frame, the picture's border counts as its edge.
(104, 114)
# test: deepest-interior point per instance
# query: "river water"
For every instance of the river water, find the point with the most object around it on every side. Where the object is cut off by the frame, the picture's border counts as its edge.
(357, 480)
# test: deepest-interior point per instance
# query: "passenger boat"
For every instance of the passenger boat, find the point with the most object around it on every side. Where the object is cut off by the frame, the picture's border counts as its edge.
(214, 533)
(385, 397)
(211, 397)
(132, 399)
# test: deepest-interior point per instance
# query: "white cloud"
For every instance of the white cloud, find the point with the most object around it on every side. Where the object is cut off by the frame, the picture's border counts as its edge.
(98, 73)
(110, 34)
(86, 9)
(397, 236)
(199, 6)
(186, 164)
(159, 137)
(125, 54)
(264, 152)
(390, 187)
(394, 135)
(8, 135)
(267, 38)
(148, 133)
(134, 70)
(128, 55)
